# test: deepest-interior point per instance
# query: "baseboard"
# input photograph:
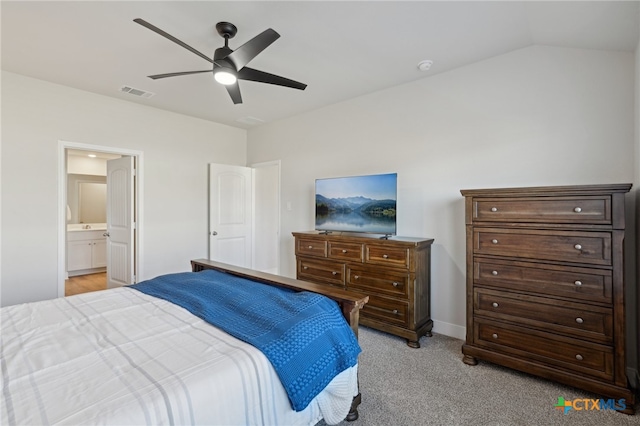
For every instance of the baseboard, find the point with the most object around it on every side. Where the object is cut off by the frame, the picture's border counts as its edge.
(85, 272)
(448, 329)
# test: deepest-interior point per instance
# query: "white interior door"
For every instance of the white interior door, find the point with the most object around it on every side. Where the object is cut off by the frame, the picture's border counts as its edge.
(266, 217)
(120, 222)
(230, 214)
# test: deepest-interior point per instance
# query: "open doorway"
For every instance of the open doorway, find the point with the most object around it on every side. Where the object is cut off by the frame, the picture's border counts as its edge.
(93, 200)
(86, 247)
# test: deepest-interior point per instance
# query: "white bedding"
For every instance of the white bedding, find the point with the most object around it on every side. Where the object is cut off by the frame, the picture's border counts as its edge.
(121, 357)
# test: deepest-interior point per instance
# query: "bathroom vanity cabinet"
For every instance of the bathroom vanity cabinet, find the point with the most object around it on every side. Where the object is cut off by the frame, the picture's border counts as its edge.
(86, 252)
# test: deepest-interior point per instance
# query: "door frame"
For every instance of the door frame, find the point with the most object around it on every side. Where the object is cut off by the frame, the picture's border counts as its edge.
(63, 146)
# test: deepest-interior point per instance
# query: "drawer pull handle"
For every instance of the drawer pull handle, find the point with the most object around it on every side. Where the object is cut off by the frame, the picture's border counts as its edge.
(305, 267)
(334, 273)
(494, 241)
(577, 210)
(579, 357)
(395, 312)
(579, 320)
(344, 251)
(355, 277)
(578, 283)
(494, 272)
(310, 247)
(494, 209)
(384, 256)
(395, 284)
(494, 304)
(494, 335)
(578, 247)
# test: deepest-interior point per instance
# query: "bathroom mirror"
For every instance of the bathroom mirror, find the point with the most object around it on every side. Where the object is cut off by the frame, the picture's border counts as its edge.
(87, 198)
(92, 198)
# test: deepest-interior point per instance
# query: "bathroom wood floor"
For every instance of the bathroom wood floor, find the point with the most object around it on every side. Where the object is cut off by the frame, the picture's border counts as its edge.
(85, 283)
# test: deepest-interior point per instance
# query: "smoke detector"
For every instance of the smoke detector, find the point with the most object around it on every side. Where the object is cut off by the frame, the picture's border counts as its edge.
(425, 65)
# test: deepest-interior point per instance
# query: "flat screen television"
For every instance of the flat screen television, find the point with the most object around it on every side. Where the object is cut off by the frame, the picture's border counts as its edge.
(357, 204)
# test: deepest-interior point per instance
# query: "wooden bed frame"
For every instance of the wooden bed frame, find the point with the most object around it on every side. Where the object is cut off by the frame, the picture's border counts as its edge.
(350, 303)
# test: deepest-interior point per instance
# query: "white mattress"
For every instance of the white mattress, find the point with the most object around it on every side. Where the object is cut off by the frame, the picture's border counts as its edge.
(121, 357)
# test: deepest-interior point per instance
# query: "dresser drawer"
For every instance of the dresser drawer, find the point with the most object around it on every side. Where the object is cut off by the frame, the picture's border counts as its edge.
(391, 311)
(572, 282)
(570, 354)
(321, 271)
(592, 210)
(379, 281)
(572, 246)
(573, 319)
(345, 251)
(311, 247)
(391, 256)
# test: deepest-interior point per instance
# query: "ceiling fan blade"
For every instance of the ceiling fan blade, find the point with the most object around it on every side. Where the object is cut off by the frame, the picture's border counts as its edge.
(245, 53)
(172, 38)
(264, 77)
(234, 92)
(175, 74)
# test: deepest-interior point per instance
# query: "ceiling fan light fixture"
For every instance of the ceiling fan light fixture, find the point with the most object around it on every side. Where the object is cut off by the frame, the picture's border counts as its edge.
(224, 76)
(229, 65)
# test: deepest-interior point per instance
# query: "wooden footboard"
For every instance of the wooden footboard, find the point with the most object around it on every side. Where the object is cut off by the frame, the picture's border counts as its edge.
(350, 303)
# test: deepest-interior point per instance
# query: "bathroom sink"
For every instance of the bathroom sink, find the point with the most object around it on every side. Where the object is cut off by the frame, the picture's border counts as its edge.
(75, 227)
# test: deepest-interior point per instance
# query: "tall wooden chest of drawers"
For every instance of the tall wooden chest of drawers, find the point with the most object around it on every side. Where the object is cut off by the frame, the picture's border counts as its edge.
(545, 287)
(395, 273)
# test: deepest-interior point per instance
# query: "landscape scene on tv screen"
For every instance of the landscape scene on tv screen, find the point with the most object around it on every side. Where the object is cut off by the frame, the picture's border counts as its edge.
(357, 204)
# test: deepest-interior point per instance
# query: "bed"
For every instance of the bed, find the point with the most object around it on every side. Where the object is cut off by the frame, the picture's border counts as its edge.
(126, 357)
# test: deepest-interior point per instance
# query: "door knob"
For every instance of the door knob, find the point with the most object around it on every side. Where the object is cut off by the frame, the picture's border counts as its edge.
(214, 233)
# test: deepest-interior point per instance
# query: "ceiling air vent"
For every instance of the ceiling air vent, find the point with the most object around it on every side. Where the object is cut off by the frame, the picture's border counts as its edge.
(136, 92)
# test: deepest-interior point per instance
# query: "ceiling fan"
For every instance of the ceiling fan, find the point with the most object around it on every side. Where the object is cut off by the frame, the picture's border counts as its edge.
(229, 65)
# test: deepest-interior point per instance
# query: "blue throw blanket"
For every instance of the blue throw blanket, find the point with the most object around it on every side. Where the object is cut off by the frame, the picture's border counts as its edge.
(303, 334)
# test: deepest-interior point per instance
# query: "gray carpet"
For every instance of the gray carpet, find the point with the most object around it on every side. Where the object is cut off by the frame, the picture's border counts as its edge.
(432, 386)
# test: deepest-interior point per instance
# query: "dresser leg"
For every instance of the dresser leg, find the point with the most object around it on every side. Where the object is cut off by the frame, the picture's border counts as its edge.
(413, 343)
(468, 359)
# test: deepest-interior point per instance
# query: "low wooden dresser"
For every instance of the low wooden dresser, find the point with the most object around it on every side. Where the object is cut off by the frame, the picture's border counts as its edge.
(395, 273)
(545, 286)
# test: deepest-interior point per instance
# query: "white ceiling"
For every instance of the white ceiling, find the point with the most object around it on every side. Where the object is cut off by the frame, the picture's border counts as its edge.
(340, 49)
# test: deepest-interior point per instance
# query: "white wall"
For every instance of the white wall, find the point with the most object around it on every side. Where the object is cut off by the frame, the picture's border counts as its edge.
(536, 116)
(176, 150)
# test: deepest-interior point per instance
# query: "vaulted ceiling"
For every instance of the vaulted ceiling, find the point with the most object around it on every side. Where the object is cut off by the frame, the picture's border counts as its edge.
(339, 49)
